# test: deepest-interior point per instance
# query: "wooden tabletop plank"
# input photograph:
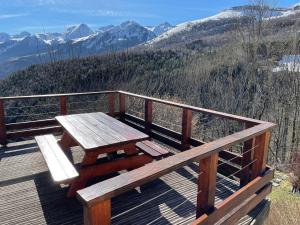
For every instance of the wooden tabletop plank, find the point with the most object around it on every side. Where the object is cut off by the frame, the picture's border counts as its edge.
(87, 133)
(75, 132)
(123, 129)
(107, 130)
(100, 133)
(96, 130)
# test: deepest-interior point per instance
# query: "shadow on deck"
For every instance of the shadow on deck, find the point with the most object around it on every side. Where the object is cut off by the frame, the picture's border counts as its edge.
(29, 196)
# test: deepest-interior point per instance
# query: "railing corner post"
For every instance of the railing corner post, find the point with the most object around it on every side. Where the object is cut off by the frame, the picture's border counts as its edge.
(98, 214)
(247, 158)
(187, 115)
(260, 155)
(3, 136)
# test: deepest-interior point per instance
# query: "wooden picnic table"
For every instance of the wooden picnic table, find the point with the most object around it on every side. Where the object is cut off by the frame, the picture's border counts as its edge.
(98, 133)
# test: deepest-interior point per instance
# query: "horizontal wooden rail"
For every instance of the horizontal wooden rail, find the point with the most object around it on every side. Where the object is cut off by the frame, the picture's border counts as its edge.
(56, 95)
(31, 124)
(160, 133)
(33, 132)
(124, 182)
(196, 109)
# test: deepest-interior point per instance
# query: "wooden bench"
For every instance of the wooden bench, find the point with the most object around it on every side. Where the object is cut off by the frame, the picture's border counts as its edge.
(152, 149)
(61, 169)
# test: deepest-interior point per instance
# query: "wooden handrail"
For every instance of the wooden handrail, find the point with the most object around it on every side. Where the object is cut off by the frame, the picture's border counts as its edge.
(57, 95)
(124, 182)
(196, 109)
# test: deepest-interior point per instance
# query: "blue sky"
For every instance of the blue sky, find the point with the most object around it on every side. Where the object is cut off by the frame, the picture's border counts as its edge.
(55, 15)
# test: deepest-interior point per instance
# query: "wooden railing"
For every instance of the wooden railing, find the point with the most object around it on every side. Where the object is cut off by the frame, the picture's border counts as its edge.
(253, 172)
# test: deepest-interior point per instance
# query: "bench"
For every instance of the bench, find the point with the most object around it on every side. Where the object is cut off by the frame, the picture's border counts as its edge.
(152, 149)
(60, 167)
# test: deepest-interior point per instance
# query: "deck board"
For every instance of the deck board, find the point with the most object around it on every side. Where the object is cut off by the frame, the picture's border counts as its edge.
(29, 196)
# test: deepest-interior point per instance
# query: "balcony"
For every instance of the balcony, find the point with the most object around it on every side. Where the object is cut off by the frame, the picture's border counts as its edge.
(216, 173)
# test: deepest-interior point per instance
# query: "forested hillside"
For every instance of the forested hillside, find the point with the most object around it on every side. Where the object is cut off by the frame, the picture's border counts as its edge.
(242, 76)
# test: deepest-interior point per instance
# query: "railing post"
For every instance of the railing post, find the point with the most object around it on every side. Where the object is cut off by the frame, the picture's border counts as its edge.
(63, 105)
(148, 115)
(207, 184)
(260, 155)
(122, 106)
(186, 128)
(3, 137)
(111, 104)
(99, 214)
(247, 159)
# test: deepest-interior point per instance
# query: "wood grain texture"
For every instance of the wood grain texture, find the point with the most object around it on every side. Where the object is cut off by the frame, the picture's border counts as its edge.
(260, 154)
(152, 149)
(149, 172)
(95, 130)
(59, 165)
(29, 196)
(206, 184)
(98, 215)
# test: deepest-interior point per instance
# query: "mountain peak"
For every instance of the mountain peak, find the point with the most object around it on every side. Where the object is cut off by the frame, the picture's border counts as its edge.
(77, 31)
(23, 34)
(129, 23)
(161, 28)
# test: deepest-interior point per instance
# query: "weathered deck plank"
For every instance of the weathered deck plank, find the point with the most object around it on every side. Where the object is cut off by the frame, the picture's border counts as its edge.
(29, 196)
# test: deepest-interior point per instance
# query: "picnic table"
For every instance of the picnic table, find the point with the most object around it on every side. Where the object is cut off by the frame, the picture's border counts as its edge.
(98, 133)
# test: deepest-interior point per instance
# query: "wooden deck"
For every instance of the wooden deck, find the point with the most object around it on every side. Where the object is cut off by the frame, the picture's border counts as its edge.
(29, 196)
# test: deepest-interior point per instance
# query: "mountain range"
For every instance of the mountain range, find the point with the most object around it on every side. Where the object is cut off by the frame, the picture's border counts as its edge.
(24, 49)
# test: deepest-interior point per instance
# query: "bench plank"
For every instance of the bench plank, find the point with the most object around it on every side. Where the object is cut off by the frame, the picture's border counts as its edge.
(59, 165)
(151, 149)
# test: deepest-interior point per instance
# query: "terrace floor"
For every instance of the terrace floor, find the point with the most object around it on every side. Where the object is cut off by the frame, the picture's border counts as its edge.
(28, 195)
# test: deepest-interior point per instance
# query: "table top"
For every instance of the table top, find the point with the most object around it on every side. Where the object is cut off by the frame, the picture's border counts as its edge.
(95, 130)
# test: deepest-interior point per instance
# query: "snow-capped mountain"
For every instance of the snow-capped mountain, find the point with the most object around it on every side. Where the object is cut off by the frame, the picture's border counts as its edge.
(23, 34)
(161, 28)
(113, 38)
(76, 41)
(217, 22)
(105, 28)
(78, 31)
(21, 50)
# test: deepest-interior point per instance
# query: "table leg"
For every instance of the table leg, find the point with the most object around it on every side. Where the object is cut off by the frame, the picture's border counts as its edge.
(130, 149)
(66, 141)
